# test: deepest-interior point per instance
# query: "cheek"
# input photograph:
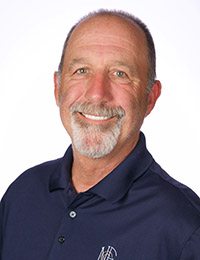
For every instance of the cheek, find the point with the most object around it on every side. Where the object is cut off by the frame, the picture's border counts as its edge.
(134, 105)
(69, 95)
(126, 98)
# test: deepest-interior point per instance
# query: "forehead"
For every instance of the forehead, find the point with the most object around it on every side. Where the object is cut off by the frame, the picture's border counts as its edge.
(108, 29)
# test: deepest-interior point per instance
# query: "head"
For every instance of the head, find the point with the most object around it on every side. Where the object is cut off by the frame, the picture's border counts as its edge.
(131, 18)
(106, 83)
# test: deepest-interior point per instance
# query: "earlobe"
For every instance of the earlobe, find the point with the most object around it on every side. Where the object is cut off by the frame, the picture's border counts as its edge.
(153, 96)
(56, 89)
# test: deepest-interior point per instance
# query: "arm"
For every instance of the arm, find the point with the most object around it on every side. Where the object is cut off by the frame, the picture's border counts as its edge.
(192, 247)
(1, 227)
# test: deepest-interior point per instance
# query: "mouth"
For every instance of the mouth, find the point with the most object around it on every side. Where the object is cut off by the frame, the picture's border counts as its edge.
(100, 114)
(96, 117)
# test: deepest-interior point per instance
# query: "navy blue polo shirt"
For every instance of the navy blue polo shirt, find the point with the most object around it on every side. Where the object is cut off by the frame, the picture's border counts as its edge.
(137, 212)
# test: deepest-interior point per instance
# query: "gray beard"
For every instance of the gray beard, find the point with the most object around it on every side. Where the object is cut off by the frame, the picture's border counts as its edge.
(91, 140)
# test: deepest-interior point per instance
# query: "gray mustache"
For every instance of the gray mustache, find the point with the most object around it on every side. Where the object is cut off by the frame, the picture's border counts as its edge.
(99, 110)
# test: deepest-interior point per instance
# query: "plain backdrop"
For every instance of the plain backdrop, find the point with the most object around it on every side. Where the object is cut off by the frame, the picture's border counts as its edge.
(32, 34)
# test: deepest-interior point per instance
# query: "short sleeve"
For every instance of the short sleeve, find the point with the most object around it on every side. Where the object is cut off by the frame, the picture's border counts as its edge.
(1, 226)
(191, 250)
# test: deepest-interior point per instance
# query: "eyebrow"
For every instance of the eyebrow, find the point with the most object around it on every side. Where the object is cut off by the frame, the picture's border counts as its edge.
(76, 61)
(83, 61)
(121, 63)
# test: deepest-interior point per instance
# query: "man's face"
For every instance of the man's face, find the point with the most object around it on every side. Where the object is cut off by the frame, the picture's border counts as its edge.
(103, 98)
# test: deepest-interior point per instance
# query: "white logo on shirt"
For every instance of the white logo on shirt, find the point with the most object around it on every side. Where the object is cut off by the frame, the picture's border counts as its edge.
(107, 254)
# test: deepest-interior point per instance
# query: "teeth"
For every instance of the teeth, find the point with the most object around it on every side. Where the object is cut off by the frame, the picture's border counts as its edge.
(96, 117)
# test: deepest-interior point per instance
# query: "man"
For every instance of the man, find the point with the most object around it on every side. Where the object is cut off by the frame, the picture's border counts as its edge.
(106, 198)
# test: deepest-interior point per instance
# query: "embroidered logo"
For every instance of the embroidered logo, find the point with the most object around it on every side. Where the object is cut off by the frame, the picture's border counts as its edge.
(108, 253)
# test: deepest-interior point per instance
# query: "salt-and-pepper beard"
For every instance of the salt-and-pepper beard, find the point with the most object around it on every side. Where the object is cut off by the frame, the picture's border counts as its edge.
(95, 140)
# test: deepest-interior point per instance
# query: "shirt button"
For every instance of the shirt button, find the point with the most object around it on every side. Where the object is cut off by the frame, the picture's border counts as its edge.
(61, 239)
(72, 214)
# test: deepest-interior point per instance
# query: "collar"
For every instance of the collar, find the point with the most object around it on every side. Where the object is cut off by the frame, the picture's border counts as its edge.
(116, 184)
(61, 177)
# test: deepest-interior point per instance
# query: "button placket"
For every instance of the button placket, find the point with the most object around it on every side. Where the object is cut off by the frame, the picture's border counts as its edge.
(61, 239)
(72, 214)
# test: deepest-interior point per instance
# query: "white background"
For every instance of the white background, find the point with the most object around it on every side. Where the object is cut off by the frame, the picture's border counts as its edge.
(32, 34)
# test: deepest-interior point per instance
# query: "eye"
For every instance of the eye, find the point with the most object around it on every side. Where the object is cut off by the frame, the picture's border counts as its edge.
(120, 74)
(81, 71)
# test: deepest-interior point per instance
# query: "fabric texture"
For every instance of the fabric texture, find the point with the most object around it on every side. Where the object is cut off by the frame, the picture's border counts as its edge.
(136, 212)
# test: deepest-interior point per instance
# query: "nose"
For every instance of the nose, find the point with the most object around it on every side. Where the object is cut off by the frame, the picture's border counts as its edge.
(98, 89)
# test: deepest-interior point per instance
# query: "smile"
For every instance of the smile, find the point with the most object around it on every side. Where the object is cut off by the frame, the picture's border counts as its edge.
(94, 117)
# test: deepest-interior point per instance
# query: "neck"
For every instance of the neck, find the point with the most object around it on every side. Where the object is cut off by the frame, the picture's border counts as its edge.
(87, 172)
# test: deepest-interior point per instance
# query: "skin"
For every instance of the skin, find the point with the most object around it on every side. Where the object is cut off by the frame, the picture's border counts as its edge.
(105, 63)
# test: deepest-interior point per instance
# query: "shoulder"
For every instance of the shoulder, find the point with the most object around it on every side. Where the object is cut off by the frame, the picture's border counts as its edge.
(174, 208)
(173, 191)
(177, 206)
(32, 179)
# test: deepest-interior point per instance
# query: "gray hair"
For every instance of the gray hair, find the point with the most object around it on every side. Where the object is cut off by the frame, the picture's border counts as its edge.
(151, 74)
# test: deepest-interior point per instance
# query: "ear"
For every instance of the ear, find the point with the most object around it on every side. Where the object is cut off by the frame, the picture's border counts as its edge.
(153, 96)
(56, 89)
